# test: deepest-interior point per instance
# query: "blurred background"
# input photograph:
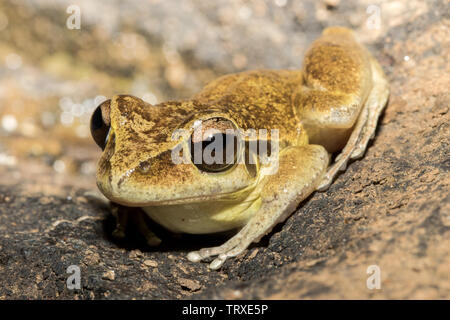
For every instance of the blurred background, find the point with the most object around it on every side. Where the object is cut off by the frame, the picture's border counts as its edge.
(60, 59)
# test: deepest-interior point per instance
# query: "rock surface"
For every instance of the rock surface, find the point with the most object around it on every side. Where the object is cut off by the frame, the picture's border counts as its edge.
(390, 209)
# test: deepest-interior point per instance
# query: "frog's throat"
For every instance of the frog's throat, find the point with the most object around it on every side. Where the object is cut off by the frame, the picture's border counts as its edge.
(207, 216)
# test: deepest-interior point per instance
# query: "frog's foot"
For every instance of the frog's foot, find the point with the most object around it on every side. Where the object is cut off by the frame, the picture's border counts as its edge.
(364, 129)
(124, 215)
(152, 239)
(231, 248)
(121, 222)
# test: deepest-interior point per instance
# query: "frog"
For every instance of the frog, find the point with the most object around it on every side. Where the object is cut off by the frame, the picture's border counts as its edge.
(324, 113)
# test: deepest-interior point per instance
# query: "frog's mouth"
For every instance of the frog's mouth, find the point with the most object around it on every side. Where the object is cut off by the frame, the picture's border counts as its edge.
(233, 197)
(136, 197)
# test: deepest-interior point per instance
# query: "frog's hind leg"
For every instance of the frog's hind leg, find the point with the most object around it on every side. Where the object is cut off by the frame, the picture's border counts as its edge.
(299, 171)
(375, 104)
(343, 94)
(364, 129)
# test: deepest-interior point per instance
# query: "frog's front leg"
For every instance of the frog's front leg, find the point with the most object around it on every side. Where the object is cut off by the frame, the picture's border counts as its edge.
(300, 170)
(124, 215)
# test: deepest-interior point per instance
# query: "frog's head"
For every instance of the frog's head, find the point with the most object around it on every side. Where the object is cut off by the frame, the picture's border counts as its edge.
(152, 154)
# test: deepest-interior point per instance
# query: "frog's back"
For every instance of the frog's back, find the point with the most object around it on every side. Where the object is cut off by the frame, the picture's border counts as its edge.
(259, 99)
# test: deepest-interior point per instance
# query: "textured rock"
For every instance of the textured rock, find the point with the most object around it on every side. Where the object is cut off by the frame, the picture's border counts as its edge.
(389, 209)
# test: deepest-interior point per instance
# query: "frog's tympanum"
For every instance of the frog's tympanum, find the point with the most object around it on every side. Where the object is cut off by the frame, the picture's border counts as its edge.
(330, 106)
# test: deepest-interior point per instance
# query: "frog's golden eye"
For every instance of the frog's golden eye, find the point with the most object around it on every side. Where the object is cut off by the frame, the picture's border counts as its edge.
(215, 147)
(216, 154)
(100, 124)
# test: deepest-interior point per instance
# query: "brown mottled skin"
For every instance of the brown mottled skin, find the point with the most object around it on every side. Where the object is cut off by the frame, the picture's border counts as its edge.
(331, 105)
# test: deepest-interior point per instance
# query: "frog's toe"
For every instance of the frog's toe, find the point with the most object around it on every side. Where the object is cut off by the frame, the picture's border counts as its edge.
(197, 256)
(340, 164)
(194, 256)
(358, 153)
(153, 240)
(361, 147)
(118, 233)
(324, 185)
(227, 250)
(218, 262)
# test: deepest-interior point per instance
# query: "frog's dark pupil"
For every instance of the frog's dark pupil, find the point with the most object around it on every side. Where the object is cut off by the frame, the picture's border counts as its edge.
(220, 165)
(97, 120)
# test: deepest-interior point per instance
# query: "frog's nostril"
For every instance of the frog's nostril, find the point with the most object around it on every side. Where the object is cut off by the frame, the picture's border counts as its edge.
(144, 167)
(100, 124)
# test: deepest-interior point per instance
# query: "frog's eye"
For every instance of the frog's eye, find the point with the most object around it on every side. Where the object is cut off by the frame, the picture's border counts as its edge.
(215, 154)
(215, 148)
(100, 124)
